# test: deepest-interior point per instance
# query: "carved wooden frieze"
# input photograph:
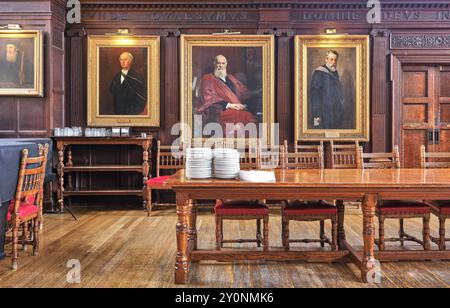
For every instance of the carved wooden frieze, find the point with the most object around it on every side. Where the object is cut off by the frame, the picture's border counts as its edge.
(420, 41)
(171, 16)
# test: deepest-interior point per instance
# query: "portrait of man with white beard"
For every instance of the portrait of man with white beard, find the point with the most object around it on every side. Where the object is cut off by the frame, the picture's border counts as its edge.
(223, 96)
(16, 70)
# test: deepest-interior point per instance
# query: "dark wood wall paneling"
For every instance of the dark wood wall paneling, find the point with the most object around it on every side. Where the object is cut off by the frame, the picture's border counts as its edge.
(66, 58)
(36, 116)
(283, 19)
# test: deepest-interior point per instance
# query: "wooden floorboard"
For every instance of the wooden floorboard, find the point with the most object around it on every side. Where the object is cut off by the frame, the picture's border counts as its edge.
(122, 247)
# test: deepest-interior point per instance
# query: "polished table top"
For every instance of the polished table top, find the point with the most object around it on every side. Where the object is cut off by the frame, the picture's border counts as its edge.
(332, 178)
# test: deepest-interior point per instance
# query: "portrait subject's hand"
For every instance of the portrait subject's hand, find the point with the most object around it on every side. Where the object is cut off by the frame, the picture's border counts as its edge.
(317, 121)
(236, 107)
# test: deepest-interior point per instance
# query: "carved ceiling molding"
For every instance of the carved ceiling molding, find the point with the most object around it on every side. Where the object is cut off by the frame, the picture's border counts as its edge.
(257, 6)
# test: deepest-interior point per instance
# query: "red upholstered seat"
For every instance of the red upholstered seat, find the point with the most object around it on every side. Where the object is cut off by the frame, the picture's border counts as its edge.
(240, 208)
(398, 207)
(158, 181)
(310, 209)
(28, 200)
(444, 206)
(26, 209)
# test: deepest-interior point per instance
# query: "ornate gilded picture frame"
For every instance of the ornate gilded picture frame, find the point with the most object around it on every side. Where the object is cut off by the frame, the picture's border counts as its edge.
(123, 81)
(21, 63)
(227, 87)
(332, 87)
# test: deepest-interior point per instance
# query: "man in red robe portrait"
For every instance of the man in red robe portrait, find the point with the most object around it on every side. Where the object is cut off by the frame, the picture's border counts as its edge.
(222, 97)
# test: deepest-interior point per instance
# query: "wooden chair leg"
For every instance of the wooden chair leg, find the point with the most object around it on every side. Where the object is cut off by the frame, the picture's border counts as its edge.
(36, 237)
(221, 232)
(381, 244)
(442, 245)
(285, 227)
(334, 235)
(24, 235)
(218, 232)
(322, 233)
(266, 233)
(401, 232)
(148, 197)
(41, 219)
(15, 244)
(426, 233)
(258, 232)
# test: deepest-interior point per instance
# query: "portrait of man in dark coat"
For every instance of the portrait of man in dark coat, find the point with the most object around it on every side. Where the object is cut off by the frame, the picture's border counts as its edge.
(326, 95)
(16, 71)
(128, 88)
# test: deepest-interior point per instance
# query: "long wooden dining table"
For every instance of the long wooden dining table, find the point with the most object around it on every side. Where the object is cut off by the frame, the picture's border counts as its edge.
(370, 186)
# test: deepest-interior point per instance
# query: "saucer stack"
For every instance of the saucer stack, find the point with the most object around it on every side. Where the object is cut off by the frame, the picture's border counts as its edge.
(199, 163)
(226, 163)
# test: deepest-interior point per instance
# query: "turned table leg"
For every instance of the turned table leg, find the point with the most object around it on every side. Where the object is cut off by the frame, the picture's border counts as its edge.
(183, 258)
(368, 208)
(340, 224)
(192, 208)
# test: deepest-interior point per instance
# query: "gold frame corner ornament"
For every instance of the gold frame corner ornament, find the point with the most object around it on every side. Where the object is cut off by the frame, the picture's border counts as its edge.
(38, 88)
(152, 43)
(362, 84)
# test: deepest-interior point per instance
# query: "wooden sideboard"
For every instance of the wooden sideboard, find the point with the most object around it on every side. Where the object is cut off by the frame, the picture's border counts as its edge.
(67, 167)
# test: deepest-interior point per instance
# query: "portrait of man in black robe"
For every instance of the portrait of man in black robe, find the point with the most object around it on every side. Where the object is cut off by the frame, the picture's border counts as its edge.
(128, 88)
(327, 104)
(16, 71)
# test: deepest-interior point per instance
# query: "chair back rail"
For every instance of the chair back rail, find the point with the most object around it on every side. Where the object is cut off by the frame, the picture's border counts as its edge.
(434, 159)
(379, 160)
(344, 156)
(304, 157)
(166, 161)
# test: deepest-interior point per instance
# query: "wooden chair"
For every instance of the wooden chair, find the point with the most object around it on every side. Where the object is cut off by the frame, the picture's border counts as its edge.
(379, 160)
(396, 209)
(344, 156)
(243, 209)
(308, 157)
(269, 157)
(304, 157)
(439, 208)
(166, 165)
(25, 211)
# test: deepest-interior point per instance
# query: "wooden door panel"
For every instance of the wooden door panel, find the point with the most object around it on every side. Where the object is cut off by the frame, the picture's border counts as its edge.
(415, 84)
(443, 110)
(417, 111)
(411, 142)
(444, 140)
(444, 113)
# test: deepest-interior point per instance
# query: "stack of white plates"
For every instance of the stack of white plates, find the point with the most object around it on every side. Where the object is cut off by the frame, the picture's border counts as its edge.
(226, 163)
(199, 163)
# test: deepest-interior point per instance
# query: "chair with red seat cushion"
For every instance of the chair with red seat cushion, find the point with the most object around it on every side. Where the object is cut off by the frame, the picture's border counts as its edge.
(307, 157)
(401, 209)
(167, 163)
(395, 209)
(242, 210)
(25, 210)
(441, 209)
(250, 158)
(310, 211)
